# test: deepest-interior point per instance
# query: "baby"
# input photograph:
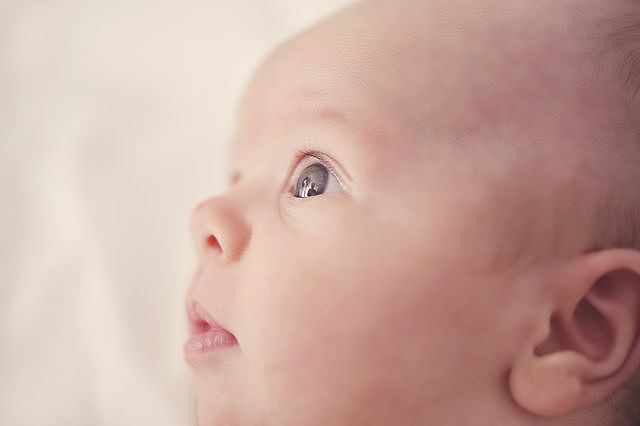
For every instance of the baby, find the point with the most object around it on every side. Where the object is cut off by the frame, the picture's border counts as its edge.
(433, 219)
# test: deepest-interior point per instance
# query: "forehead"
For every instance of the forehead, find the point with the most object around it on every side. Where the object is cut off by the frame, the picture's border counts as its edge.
(348, 126)
(413, 75)
(313, 83)
(362, 69)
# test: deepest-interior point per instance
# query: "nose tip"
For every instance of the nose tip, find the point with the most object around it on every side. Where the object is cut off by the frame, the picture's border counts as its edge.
(217, 228)
(211, 242)
(202, 229)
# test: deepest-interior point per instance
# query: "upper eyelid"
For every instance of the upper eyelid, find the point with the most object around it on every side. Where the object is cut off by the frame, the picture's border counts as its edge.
(323, 159)
(326, 160)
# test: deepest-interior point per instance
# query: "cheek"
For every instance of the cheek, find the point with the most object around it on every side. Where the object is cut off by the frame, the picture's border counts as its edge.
(349, 315)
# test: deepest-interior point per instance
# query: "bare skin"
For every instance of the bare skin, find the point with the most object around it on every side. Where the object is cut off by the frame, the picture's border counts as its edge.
(452, 127)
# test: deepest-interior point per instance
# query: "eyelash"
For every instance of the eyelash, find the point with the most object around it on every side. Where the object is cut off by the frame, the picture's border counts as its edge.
(322, 159)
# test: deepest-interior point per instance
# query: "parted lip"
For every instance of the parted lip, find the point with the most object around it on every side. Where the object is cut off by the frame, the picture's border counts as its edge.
(200, 321)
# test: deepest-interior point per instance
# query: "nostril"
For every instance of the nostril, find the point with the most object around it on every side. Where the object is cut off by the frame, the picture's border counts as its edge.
(202, 326)
(213, 242)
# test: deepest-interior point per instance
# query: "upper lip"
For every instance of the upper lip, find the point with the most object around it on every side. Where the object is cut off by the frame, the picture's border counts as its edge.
(200, 320)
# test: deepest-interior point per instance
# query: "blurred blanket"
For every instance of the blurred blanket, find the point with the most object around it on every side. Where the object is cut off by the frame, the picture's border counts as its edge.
(114, 122)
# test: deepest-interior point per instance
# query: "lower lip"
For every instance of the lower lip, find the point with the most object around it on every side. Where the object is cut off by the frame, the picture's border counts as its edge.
(207, 343)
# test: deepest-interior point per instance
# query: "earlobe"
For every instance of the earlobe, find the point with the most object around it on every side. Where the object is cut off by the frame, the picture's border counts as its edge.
(547, 382)
(547, 386)
(586, 341)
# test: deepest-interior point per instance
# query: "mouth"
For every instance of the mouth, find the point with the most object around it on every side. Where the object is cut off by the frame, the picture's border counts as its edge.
(207, 337)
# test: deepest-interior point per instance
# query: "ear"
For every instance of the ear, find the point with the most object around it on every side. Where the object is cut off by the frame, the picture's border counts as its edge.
(586, 343)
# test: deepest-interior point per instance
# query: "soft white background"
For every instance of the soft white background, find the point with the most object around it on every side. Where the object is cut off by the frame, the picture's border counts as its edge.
(114, 122)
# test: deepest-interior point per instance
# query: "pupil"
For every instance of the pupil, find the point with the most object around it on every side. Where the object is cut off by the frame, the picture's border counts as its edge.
(314, 181)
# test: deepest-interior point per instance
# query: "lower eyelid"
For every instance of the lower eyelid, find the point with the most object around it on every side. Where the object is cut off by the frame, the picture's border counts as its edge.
(310, 201)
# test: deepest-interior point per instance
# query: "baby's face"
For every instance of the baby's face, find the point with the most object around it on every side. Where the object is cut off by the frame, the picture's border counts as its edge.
(356, 255)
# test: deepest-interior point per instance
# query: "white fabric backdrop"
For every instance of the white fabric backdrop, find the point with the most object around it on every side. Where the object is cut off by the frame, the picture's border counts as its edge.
(114, 121)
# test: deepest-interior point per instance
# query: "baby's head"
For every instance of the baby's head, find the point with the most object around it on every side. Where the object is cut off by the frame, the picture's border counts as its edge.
(433, 219)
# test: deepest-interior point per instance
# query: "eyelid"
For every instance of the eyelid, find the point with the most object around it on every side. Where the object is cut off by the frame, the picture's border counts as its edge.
(322, 158)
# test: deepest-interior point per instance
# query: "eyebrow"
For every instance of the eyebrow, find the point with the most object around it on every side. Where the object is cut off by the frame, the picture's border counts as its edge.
(324, 112)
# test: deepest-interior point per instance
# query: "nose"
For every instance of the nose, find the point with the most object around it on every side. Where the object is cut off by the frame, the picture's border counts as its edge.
(218, 227)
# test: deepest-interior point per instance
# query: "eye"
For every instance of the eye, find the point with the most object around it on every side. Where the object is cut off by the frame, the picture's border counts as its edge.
(316, 179)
